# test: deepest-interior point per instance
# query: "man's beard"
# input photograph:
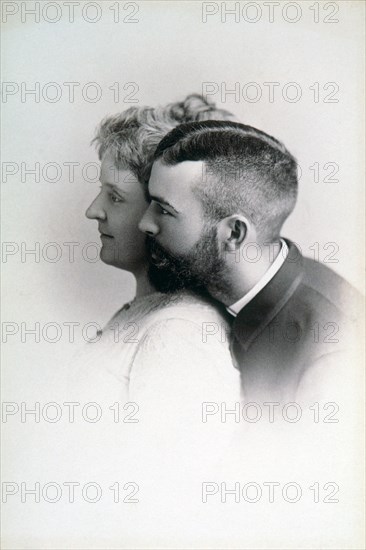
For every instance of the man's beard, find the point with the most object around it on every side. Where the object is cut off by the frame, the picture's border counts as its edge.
(201, 270)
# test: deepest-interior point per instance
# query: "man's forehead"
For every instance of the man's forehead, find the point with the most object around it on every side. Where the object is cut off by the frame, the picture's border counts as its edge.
(169, 178)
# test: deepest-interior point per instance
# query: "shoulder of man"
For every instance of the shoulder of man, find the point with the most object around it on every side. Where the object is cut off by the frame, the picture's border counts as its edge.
(303, 291)
(332, 287)
(304, 313)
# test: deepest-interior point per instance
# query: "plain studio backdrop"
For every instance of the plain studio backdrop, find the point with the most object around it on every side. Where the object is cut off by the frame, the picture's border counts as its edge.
(294, 70)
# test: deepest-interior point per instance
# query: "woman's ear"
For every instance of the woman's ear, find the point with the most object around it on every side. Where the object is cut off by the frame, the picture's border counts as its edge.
(232, 232)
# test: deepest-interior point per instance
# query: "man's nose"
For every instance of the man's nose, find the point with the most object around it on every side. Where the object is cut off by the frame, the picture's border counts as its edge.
(96, 211)
(147, 224)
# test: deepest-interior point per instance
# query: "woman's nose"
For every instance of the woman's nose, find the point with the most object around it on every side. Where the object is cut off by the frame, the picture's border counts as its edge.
(147, 224)
(95, 211)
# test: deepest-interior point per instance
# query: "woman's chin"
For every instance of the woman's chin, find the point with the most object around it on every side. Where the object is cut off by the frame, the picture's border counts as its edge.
(109, 257)
(126, 263)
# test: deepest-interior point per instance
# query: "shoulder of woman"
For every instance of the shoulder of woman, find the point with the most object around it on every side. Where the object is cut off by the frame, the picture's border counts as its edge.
(190, 307)
(184, 343)
(183, 347)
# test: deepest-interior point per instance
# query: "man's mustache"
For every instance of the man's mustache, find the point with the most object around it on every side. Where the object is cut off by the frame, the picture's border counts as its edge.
(169, 272)
(157, 254)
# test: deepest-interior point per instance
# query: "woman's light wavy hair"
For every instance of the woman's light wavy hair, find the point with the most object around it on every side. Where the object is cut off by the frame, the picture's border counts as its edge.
(132, 136)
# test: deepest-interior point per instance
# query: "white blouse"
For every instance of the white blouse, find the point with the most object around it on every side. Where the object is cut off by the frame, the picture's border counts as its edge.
(176, 344)
(164, 362)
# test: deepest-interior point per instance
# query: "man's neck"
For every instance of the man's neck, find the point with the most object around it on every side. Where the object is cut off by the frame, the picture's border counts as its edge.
(242, 276)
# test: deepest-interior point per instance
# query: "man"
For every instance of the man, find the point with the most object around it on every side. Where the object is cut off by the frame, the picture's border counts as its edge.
(220, 193)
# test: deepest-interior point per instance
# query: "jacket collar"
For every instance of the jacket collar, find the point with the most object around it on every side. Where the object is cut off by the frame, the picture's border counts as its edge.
(260, 311)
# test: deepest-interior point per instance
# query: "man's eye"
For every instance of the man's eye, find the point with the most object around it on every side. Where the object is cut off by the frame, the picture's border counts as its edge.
(163, 211)
(115, 198)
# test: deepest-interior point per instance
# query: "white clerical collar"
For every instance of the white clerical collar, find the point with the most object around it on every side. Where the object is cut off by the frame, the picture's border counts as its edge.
(269, 274)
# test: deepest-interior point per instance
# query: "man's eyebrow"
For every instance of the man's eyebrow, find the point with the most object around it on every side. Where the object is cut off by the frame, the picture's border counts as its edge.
(162, 201)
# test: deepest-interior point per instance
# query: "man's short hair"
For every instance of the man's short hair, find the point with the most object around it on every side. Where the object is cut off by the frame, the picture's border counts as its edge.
(132, 136)
(246, 172)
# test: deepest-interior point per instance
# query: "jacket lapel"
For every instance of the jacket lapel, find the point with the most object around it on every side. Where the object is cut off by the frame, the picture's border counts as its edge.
(260, 311)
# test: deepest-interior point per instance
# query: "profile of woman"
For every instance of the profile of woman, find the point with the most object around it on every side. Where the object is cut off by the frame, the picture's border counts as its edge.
(167, 352)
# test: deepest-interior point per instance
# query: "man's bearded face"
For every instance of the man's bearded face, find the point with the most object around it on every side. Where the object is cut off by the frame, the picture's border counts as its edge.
(201, 269)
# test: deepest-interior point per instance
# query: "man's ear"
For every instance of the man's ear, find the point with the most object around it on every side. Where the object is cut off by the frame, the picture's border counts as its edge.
(232, 232)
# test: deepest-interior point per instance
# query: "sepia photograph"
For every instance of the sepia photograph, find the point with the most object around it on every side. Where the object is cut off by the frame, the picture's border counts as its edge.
(182, 261)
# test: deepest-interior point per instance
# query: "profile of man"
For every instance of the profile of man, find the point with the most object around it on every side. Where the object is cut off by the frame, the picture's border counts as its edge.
(220, 193)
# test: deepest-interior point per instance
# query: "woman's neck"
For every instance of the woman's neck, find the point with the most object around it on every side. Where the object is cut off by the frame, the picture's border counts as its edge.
(143, 285)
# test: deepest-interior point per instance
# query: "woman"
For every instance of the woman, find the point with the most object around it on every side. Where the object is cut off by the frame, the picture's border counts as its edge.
(160, 374)
(167, 353)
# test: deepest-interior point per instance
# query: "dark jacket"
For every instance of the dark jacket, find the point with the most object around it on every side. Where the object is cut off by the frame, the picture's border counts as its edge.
(303, 314)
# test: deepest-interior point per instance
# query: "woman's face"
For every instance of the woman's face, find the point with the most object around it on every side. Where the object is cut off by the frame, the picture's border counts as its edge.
(118, 209)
